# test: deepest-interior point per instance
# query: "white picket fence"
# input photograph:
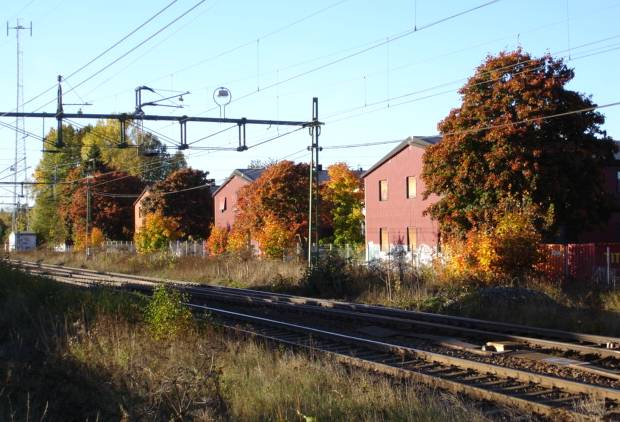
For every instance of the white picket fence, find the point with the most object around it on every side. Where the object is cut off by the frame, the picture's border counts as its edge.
(187, 248)
(176, 248)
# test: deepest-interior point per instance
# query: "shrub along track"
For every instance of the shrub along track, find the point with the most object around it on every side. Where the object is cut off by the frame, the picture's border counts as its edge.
(337, 328)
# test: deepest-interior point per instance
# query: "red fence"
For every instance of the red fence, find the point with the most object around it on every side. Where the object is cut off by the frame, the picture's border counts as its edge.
(599, 262)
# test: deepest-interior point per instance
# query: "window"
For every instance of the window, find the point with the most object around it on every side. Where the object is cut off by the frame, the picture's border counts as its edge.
(384, 243)
(383, 190)
(223, 205)
(412, 238)
(412, 186)
(618, 181)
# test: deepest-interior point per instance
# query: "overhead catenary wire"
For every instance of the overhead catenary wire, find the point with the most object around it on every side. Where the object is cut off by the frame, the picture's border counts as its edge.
(131, 50)
(482, 128)
(254, 40)
(385, 41)
(372, 46)
(455, 81)
(52, 87)
(164, 193)
(394, 105)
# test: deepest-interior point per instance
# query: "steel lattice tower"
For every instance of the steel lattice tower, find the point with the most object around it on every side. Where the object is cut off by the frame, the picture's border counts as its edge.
(20, 168)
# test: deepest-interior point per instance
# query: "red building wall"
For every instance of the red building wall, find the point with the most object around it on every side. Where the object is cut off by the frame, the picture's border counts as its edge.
(610, 230)
(399, 212)
(227, 195)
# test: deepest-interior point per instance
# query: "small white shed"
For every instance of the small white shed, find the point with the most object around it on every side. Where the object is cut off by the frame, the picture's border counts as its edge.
(22, 241)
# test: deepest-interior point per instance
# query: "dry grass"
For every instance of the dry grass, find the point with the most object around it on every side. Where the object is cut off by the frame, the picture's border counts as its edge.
(213, 270)
(575, 307)
(69, 354)
(284, 386)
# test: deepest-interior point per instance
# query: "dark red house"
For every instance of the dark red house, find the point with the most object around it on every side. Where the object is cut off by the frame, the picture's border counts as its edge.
(394, 206)
(608, 231)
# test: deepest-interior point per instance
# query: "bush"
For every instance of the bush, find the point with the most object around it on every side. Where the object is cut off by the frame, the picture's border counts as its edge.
(158, 230)
(508, 250)
(274, 238)
(218, 240)
(239, 243)
(165, 313)
(329, 278)
(96, 237)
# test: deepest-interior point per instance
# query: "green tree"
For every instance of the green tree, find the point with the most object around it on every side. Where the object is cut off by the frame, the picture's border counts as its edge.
(53, 169)
(343, 194)
(145, 157)
(498, 145)
(4, 230)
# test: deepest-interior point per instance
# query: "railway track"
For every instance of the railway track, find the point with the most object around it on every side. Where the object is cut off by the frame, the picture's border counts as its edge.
(540, 393)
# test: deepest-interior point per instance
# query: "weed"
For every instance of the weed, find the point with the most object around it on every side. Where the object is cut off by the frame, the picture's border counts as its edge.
(166, 315)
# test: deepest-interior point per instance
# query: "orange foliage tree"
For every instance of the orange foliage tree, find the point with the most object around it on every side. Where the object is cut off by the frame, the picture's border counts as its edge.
(218, 240)
(498, 144)
(506, 250)
(274, 209)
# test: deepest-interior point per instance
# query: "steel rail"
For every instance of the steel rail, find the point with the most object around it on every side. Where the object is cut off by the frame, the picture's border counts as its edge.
(377, 314)
(551, 396)
(442, 372)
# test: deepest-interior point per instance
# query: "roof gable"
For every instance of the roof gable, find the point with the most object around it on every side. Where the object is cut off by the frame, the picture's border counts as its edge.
(418, 141)
(248, 175)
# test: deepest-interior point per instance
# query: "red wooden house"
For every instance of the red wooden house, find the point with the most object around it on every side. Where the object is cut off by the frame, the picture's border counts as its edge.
(394, 206)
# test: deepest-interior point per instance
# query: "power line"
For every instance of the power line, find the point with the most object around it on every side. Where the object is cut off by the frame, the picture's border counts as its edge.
(52, 87)
(504, 68)
(392, 105)
(386, 41)
(251, 42)
(483, 128)
(131, 49)
(276, 137)
(142, 25)
(130, 195)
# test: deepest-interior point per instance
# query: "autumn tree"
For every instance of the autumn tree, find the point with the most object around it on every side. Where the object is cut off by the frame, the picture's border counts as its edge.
(519, 133)
(343, 196)
(157, 232)
(90, 150)
(218, 240)
(274, 209)
(111, 204)
(185, 195)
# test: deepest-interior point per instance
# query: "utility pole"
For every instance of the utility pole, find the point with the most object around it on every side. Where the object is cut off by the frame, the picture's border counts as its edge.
(314, 190)
(88, 208)
(20, 143)
(88, 217)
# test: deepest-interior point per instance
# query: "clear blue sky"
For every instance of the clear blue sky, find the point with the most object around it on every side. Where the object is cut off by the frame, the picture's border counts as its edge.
(189, 56)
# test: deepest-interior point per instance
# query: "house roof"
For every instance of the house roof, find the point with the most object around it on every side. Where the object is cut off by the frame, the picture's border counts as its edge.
(144, 192)
(249, 175)
(419, 141)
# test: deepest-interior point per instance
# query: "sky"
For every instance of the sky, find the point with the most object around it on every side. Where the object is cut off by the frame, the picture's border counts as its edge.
(382, 71)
